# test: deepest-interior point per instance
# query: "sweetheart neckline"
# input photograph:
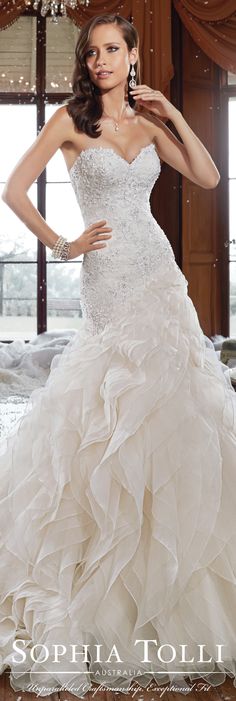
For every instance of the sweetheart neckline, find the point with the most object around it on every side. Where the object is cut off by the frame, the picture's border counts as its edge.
(109, 148)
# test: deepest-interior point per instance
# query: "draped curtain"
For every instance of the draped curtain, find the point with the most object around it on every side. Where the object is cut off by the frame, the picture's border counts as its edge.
(10, 11)
(212, 25)
(152, 19)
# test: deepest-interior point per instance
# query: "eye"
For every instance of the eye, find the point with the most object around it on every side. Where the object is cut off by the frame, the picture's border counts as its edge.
(91, 51)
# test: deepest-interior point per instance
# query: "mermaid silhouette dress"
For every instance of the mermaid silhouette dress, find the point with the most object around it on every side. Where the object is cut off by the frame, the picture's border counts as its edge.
(118, 484)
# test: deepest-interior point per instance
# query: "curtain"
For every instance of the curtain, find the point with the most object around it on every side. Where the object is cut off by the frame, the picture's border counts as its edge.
(10, 11)
(212, 25)
(152, 19)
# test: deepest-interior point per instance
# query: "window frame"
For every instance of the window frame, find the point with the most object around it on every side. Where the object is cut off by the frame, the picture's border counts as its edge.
(40, 98)
(226, 91)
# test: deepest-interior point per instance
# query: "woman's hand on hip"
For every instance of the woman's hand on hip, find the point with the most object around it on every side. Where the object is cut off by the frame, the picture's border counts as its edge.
(92, 238)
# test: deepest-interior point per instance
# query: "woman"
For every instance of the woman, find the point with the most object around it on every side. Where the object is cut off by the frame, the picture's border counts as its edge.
(118, 501)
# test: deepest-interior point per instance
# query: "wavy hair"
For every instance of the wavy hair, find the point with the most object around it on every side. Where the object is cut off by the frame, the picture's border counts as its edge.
(85, 106)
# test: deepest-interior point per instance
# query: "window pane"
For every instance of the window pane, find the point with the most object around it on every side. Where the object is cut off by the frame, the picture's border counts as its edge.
(15, 120)
(60, 54)
(56, 168)
(232, 330)
(231, 78)
(232, 215)
(18, 300)
(63, 302)
(18, 56)
(16, 241)
(62, 211)
(232, 137)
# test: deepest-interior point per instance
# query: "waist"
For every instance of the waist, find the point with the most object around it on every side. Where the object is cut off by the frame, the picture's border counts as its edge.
(118, 214)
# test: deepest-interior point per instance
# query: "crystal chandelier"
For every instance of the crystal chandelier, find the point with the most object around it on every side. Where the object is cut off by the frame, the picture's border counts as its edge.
(55, 7)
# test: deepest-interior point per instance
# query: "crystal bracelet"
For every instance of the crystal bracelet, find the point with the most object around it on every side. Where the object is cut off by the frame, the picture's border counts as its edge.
(61, 248)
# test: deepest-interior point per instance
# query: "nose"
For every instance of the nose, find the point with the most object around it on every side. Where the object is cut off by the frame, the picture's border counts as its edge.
(100, 62)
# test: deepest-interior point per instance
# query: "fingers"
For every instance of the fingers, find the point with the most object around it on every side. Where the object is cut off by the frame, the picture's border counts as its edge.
(100, 237)
(150, 95)
(100, 228)
(98, 245)
(143, 91)
(140, 88)
(96, 232)
(93, 238)
(96, 224)
(145, 98)
(94, 229)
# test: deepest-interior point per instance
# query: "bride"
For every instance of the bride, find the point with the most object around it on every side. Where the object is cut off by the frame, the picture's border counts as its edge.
(118, 486)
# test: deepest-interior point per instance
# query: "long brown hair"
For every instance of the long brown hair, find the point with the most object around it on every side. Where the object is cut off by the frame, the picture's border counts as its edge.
(85, 106)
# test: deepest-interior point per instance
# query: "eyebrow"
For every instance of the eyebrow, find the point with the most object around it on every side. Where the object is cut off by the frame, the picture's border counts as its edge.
(107, 44)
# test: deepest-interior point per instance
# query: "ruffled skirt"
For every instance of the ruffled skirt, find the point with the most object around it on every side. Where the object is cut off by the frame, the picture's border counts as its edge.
(117, 510)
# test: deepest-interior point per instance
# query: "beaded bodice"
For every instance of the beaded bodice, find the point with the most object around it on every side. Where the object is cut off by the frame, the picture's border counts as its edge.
(109, 187)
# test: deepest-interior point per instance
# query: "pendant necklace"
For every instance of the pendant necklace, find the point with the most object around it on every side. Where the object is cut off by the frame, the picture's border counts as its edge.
(115, 122)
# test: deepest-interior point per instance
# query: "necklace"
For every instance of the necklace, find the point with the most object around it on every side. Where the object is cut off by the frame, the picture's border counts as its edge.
(115, 122)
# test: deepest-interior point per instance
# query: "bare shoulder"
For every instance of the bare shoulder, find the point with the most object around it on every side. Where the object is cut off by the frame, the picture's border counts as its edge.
(62, 121)
(153, 125)
(155, 129)
(61, 126)
(169, 147)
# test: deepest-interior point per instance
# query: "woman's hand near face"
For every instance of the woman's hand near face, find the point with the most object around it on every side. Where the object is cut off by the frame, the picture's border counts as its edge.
(189, 157)
(153, 100)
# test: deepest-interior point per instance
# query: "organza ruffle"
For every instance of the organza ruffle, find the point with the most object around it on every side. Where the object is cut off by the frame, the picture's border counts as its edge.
(118, 502)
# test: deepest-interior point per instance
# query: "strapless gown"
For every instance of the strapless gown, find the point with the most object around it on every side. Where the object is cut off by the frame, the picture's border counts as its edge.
(118, 483)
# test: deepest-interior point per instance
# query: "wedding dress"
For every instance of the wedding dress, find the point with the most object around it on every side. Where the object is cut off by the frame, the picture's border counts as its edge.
(118, 484)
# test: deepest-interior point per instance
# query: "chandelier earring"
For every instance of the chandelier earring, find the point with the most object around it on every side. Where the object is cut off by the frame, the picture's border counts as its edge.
(132, 82)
